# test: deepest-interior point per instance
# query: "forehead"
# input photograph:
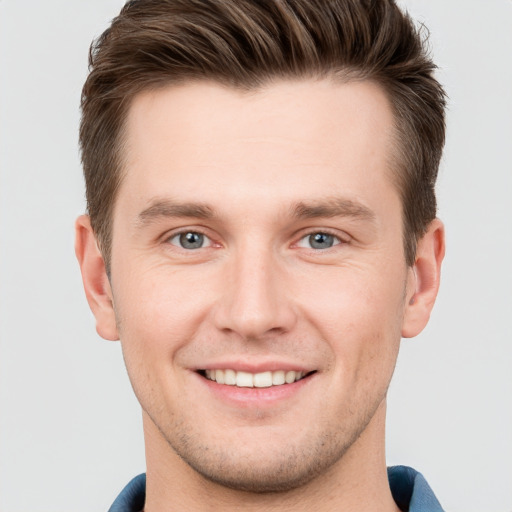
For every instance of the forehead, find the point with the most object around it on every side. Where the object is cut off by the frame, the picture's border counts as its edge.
(299, 137)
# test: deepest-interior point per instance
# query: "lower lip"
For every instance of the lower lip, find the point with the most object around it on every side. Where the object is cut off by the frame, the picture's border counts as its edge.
(255, 397)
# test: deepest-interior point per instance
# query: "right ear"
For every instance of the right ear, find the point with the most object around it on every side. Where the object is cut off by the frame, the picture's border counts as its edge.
(94, 276)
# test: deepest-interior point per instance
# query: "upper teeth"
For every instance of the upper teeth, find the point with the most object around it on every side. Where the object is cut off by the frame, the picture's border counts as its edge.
(253, 380)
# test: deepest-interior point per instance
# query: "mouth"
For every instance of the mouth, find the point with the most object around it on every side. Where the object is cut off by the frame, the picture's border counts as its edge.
(243, 379)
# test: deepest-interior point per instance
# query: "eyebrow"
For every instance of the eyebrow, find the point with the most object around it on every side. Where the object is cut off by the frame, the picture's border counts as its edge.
(330, 207)
(333, 207)
(170, 208)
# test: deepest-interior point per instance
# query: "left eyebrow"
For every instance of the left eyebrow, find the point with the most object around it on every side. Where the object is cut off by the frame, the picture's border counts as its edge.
(333, 207)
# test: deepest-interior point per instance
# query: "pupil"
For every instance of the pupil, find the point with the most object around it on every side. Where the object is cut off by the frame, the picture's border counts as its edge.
(321, 241)
(191, 240)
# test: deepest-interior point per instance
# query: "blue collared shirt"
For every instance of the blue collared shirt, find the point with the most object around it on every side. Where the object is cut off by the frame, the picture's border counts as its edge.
(408, 487)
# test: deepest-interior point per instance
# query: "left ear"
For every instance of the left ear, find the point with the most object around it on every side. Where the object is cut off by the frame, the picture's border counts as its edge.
(423, 281)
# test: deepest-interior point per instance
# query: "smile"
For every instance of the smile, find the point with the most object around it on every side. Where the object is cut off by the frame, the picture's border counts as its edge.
(253, 380)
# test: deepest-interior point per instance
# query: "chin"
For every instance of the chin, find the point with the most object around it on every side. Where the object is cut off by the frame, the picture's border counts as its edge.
(270, 467)
(274, 476)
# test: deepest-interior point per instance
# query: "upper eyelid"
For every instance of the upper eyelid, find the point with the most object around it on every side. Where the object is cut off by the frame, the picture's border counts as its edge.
(341, 236)
(180, 231)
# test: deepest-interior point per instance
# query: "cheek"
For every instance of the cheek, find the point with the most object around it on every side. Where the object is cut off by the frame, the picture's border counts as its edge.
(159, 301)
(158, 312)
(361, 320)
(353, 300)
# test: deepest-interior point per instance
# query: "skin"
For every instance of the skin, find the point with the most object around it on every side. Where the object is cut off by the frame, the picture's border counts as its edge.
(257, 174)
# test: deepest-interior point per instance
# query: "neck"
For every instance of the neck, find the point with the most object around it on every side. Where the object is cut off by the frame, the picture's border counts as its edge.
(358, 481)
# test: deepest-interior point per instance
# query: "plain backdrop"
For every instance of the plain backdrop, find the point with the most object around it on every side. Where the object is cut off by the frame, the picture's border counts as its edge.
(70, 428)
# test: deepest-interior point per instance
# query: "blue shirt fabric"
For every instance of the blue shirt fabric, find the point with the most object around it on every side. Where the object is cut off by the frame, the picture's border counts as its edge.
(408, 487)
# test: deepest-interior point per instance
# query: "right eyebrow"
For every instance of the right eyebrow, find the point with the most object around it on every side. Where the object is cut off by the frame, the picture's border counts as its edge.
(163, 208)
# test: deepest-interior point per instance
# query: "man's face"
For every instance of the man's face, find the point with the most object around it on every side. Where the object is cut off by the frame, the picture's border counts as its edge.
(257, 237)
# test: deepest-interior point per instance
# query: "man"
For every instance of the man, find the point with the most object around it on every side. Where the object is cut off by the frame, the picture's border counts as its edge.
(261, 232)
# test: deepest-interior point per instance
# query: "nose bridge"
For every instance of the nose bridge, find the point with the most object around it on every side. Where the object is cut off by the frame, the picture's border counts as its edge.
(255, 302)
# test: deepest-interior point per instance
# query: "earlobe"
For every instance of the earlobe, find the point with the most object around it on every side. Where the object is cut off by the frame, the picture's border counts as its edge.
(424, 278)
(95, 279)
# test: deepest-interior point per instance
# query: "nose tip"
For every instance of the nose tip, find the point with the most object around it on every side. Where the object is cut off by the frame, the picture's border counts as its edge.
(255, 302)
(252, 322)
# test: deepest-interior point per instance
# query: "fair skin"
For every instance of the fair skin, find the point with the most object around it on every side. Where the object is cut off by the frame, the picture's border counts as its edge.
(261, 233)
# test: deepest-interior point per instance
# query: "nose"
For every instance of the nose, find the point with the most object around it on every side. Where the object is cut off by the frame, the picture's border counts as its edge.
(255, 301)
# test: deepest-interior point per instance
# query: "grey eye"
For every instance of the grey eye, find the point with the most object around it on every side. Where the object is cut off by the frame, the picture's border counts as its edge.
(190, 240)
(319, 240)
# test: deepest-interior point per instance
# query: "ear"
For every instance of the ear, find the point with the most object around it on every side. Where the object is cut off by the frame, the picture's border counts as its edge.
(423, 281)
(95, 279)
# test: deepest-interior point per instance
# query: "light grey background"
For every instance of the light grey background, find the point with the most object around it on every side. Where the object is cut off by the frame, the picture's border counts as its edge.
(70, 427)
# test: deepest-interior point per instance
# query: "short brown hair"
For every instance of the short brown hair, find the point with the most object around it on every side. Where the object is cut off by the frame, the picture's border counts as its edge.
(245, 44)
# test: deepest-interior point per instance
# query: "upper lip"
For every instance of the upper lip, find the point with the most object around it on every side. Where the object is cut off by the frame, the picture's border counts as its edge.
(255, 367)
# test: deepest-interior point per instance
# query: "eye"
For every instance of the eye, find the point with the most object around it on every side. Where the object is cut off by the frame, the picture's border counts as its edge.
(319, 240)
(190, 240)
